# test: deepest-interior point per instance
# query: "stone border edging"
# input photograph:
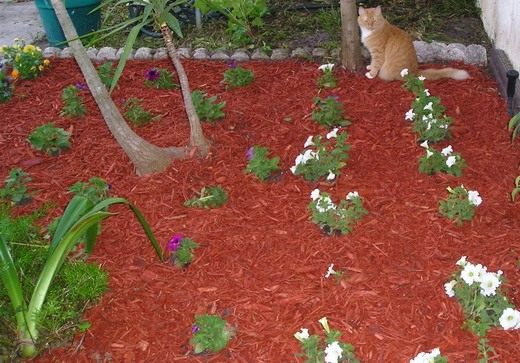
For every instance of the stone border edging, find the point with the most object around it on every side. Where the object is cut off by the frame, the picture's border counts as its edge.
(426, 53)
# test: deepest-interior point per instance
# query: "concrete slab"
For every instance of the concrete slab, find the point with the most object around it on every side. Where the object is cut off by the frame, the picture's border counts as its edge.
(21, 20)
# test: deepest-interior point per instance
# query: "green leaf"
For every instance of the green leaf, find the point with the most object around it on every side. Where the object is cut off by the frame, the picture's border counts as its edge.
(173, 23)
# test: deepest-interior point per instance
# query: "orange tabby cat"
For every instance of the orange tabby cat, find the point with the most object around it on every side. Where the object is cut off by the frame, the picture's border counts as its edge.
(392, 50)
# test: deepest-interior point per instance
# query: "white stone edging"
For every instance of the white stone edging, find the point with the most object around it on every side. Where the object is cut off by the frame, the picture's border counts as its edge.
(426, 53)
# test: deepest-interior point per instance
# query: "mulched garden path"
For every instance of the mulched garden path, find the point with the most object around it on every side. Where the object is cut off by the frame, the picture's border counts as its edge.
(261, 261)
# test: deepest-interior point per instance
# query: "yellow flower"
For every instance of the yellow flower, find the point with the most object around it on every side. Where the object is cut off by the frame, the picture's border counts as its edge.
(15, 74)
(46, 62)
(40, 68)
(29, 48)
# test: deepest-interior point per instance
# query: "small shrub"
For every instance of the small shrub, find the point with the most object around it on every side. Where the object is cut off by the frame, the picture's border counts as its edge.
(207, 107)
(259, 164)
(329, 112)
(49, 139)
(210, 334)
(237, 76)
(106, 73)
(210, 197)
(445, 161)
(160, 78)
(460, 205)
(15, 187)
(95, 190)
(327, 79)
(181, 250)
(136, 113)
(72, 103)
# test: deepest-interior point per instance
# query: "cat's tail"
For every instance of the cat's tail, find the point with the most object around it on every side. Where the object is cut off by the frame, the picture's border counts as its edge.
(433, 74)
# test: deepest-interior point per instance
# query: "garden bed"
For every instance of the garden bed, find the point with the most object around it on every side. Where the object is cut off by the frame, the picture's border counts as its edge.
(261, 262)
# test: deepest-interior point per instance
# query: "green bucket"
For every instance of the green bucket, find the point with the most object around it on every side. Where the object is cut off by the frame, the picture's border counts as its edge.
(80, 12)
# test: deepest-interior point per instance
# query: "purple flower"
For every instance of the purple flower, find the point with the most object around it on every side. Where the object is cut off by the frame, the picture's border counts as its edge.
(152, 74)
(194, 329)
(175, 242)
(232, 64)
(250, 152)
(81, 86)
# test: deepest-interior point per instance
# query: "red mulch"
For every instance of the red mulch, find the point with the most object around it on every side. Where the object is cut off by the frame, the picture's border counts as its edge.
(261, 263)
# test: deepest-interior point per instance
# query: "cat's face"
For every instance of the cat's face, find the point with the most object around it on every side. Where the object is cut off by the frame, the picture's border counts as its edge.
(370, 18)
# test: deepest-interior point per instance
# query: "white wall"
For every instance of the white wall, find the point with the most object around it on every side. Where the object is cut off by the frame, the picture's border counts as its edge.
(499, 17)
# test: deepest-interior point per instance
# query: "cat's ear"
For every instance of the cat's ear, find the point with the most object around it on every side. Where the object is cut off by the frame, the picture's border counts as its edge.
(361, 10)
(378, 10)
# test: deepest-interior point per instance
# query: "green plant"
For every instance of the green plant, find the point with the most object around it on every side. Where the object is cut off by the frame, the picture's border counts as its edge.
(445, 161)
(324, 160)
(96, 189)
(49, 139)
(237, 76)
(460, 204)
(160, 78)
(334, 218)
(209, 197)
(211, 333)
(331, 349)
(106, 73)
(26, 59)
(207, 107)
(242, 16)
(327, 79)
(72, 103)
(329, 112)
(513, 125)
(427, 113)
(259, 164)
(15, 187)
(516, 190)
(181, 250)
(80, 217)
(136, 113)
(479, 294)
(6, 84)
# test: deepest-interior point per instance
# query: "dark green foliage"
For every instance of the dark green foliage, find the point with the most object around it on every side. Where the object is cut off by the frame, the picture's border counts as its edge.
(136, 113)
(15, 187)
(238, 77)
(207, 107)
(160, 78)
(49, 139)
(106, 73)
(329, 112)
(72, 103)
(212, 334)
(259, 164)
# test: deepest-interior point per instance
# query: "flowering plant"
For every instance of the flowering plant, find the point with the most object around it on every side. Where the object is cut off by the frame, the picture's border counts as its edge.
(427, 113)
(25, 59)
(479, 294)
(327, 79)
(259, 164)
(334, 218)
(210, 197)
(334, 351)
(72, 103)
(210, 333)
(329, 112)
(445, 161)
(320, 159)
(236, 76)
(15, 186)
(460, 204)
(338, 275)
(159, 78)
(207, 107)
(50, 139)
(432, 357)
(181, 250)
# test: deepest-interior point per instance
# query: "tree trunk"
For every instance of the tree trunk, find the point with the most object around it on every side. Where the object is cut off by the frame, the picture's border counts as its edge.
(350, 42)
(197, 139)
(146, 157)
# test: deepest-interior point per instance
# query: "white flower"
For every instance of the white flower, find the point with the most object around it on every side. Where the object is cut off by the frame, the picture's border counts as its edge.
(429, 126)
(309, 141)
(293, 169)
(489, 282)
(331, 176)
(352, 195)
(462, 261)
(324, 323)
(308, 155)
(404, 72)
(510, 319)
(429, 106)
(330, 271)
(469, 274)
(333, 353)
(474, 198)
(333, 133)
(298, 160)
(409, 115)
(326, 67)
(315, 194)
(428, 154)
(426, 357)
(302, 335)
(421, 78)
(425, 144)
(445, 126)
(450, 161)
(426, 92)
(447, 150)
(448, 287)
